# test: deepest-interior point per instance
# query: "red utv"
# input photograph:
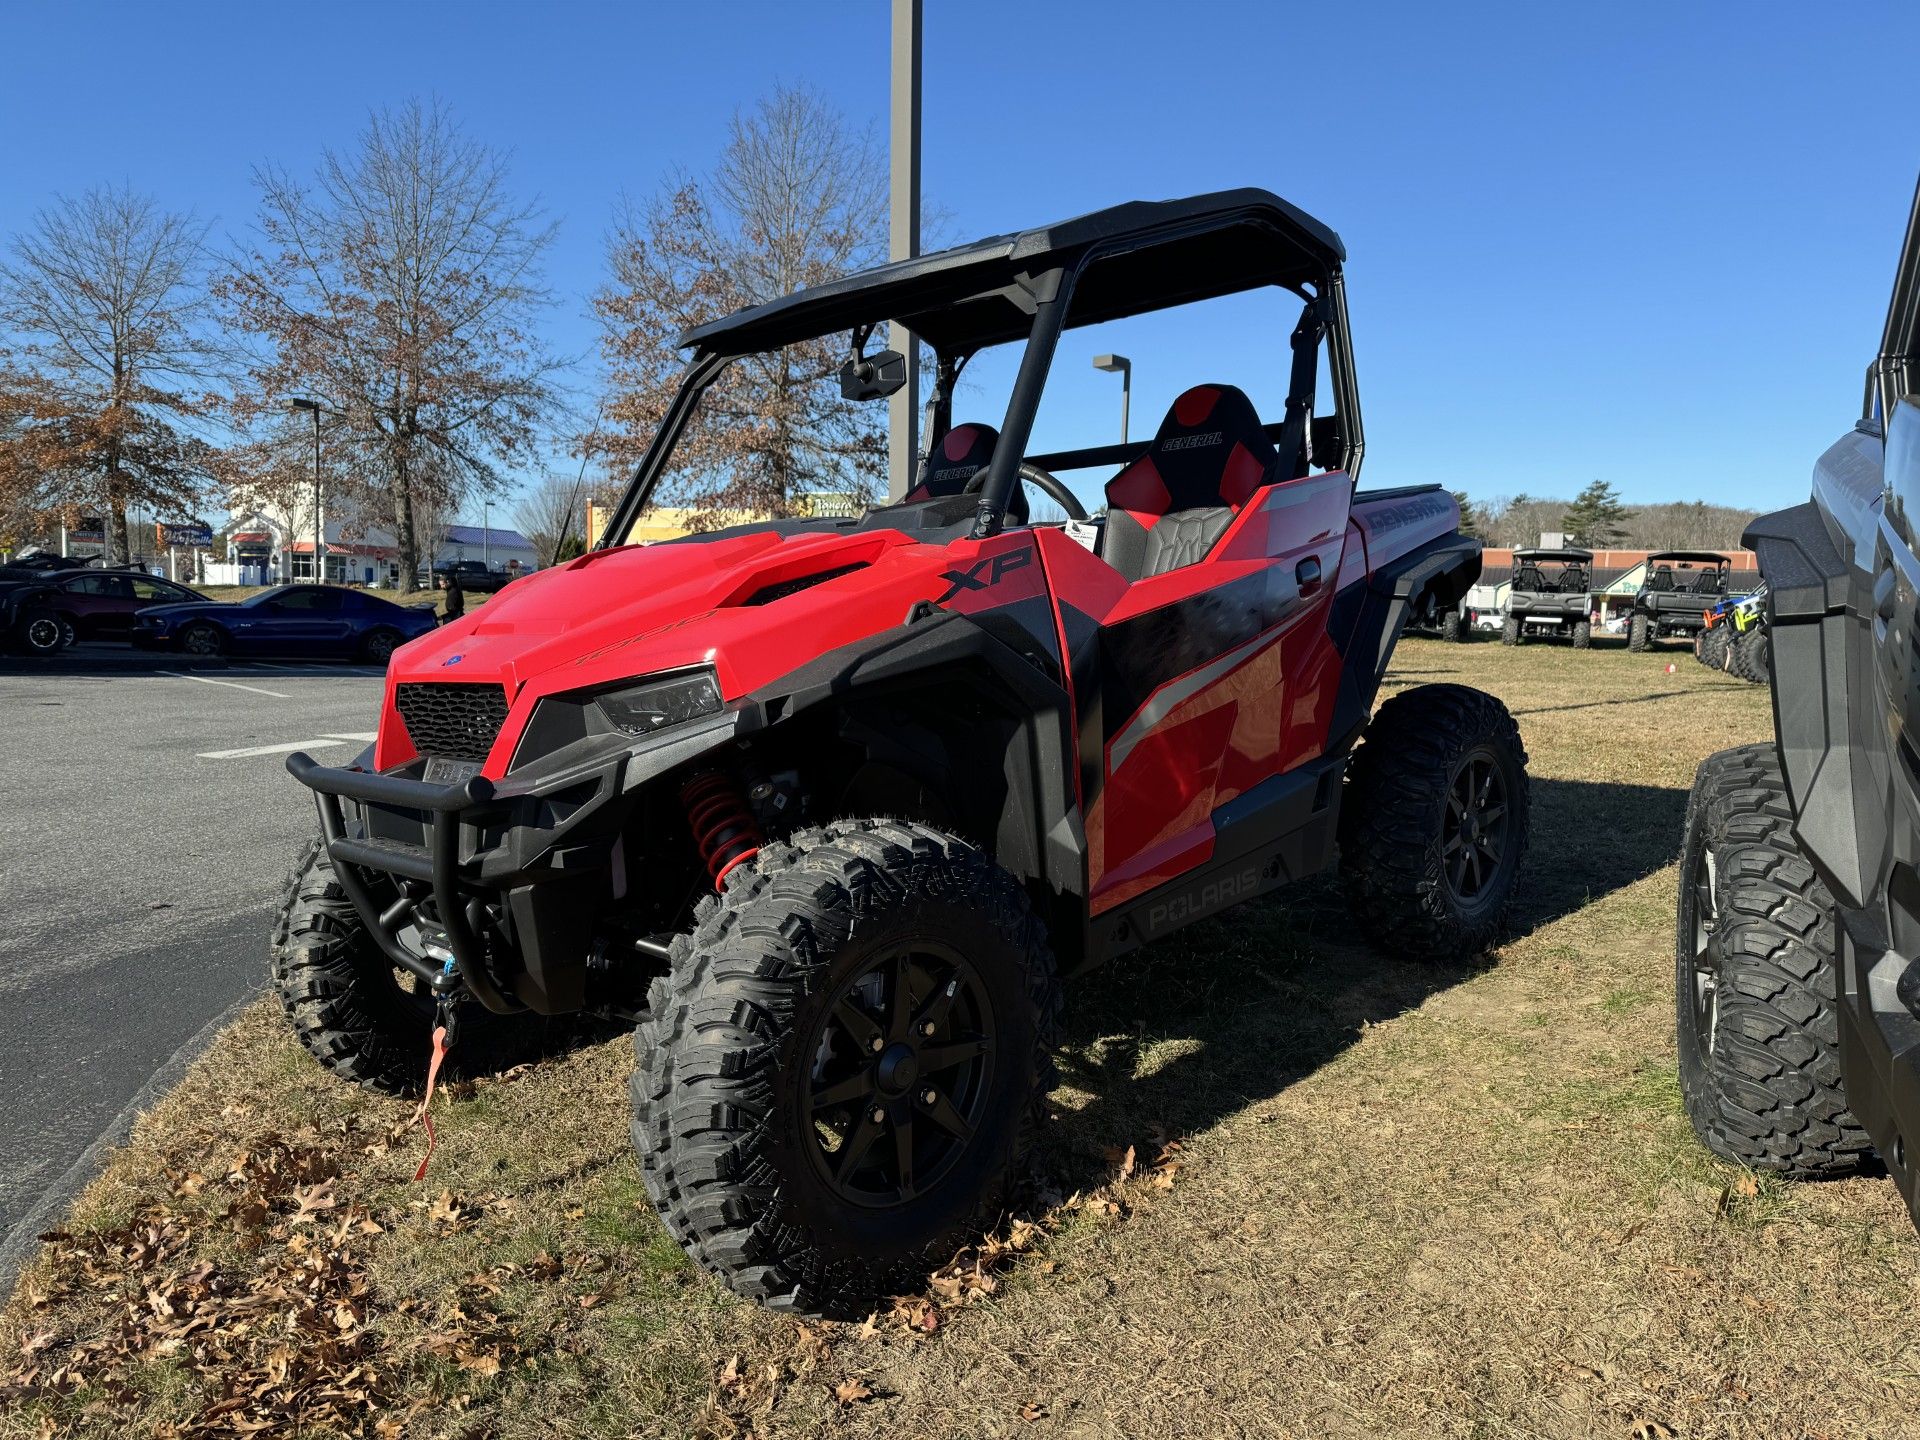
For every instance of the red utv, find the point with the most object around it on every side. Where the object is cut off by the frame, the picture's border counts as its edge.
(828, 806)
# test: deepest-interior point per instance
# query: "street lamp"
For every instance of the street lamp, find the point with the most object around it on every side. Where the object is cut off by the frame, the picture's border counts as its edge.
(300, 402)
(1121, 364)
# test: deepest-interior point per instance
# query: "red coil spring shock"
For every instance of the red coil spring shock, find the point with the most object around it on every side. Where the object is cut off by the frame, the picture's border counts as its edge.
(723, 827)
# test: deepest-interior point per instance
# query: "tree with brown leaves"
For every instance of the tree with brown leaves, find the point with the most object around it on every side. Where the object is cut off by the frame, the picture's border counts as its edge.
(401, 290)
(796, 199)
(108, 365)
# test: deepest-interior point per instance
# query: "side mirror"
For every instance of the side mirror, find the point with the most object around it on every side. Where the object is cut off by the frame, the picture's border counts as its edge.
(873, 377)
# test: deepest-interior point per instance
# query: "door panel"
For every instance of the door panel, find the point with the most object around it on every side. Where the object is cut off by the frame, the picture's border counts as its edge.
(1192, 687)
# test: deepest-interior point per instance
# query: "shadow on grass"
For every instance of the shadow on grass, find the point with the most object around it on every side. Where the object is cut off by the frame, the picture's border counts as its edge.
(1601, 704)
(1590, 839)
(1184, 1033)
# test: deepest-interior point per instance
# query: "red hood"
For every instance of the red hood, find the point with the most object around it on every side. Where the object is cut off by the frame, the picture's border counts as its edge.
(643, 609)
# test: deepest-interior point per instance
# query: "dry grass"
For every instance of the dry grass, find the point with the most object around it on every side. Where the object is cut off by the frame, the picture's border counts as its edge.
(1407, 1201)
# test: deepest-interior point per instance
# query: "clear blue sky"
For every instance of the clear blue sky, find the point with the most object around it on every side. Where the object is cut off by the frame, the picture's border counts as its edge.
(1648, 243)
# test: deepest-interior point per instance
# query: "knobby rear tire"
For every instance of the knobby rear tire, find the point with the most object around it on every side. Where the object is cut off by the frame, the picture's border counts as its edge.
(1392, 813)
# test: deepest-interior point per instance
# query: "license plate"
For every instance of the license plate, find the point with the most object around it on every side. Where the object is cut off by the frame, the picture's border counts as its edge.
(450, 772)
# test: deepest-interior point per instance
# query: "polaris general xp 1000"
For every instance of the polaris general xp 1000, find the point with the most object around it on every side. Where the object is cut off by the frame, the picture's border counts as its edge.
(827, 807)
(1798, 933)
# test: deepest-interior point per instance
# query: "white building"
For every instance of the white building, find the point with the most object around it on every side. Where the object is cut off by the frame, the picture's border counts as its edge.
(269, 545)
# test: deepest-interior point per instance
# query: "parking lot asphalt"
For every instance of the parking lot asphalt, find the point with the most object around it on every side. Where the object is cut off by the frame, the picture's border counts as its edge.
(147, 824)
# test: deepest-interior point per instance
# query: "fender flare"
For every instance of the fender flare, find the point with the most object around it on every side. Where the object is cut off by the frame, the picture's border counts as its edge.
(1044, 839)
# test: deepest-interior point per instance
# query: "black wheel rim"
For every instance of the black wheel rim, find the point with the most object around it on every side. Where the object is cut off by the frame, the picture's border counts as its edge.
(380, 649)
(901, 1071)
(43, 634)
(1705, 969)
(201, 642)
(1474, 829)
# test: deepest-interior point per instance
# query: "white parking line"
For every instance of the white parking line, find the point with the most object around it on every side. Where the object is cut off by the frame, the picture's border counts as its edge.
(230, 684)
(365, 737)
(303, 672)
(286, 749)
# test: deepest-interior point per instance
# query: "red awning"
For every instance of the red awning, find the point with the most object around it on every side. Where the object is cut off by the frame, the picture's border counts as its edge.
(342, 547)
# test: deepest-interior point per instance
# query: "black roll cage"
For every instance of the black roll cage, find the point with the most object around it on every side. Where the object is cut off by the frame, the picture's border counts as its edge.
(1047, 295)
(1895, 371)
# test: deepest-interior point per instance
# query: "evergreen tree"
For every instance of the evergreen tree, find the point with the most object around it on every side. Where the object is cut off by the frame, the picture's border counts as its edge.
(1469, 517)
(1596, 518)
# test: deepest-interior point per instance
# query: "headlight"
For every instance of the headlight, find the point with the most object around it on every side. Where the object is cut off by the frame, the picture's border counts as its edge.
(655, 704)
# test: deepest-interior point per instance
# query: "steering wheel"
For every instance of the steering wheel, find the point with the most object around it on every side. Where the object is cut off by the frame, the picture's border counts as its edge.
(1046, 480)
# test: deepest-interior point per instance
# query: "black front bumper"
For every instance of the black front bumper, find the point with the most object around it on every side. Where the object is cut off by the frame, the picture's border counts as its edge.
(519, 872)
(445, 808)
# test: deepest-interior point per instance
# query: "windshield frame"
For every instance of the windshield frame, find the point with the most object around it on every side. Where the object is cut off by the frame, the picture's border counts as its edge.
(1047, 296)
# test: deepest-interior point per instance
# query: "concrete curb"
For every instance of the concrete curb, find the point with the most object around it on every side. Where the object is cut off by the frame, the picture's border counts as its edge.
(24, 1238)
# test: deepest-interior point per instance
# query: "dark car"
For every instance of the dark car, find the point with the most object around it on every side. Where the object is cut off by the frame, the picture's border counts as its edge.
(307, 621)
(473, 575)
(44, 611)
(45, 561)
(101, 604)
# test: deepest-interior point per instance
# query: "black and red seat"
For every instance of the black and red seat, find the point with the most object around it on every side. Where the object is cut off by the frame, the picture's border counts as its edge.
(963, 452)
(1170, 507)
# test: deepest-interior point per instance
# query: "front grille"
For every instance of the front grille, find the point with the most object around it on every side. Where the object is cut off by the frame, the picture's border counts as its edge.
(456, 722)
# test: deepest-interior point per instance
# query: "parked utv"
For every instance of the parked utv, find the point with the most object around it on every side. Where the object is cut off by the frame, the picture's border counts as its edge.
(1798, 932)
(828, 806)
(1712, 641)
(1680, 586)
(1750, 655)
(1552, 594)
(1453, 623)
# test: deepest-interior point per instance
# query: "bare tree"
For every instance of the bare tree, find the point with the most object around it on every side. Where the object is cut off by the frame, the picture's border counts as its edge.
(401, 290)
(1670, 525)
(553, 515)
(106, 377)
(795, 199)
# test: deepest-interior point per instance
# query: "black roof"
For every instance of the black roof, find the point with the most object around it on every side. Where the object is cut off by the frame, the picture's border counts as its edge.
(1711, 556)
(1192, 249)
(1532, 553)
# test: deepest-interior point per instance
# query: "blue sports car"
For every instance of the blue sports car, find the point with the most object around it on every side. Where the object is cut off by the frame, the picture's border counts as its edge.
(308, 621)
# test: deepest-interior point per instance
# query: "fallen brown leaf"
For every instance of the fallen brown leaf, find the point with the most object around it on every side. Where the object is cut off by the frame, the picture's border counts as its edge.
(852, 1392)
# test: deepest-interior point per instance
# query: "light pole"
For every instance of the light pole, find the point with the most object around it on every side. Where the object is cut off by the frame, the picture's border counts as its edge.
(301, 402)
(903, 234)
(1120, 363)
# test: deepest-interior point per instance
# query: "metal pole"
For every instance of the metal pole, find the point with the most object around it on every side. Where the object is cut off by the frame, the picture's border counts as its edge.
(903, 237)
(319, 539)
(486, 533)
(1123, 367)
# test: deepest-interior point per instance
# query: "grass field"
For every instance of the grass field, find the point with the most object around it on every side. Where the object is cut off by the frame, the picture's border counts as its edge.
(1293, 1188)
